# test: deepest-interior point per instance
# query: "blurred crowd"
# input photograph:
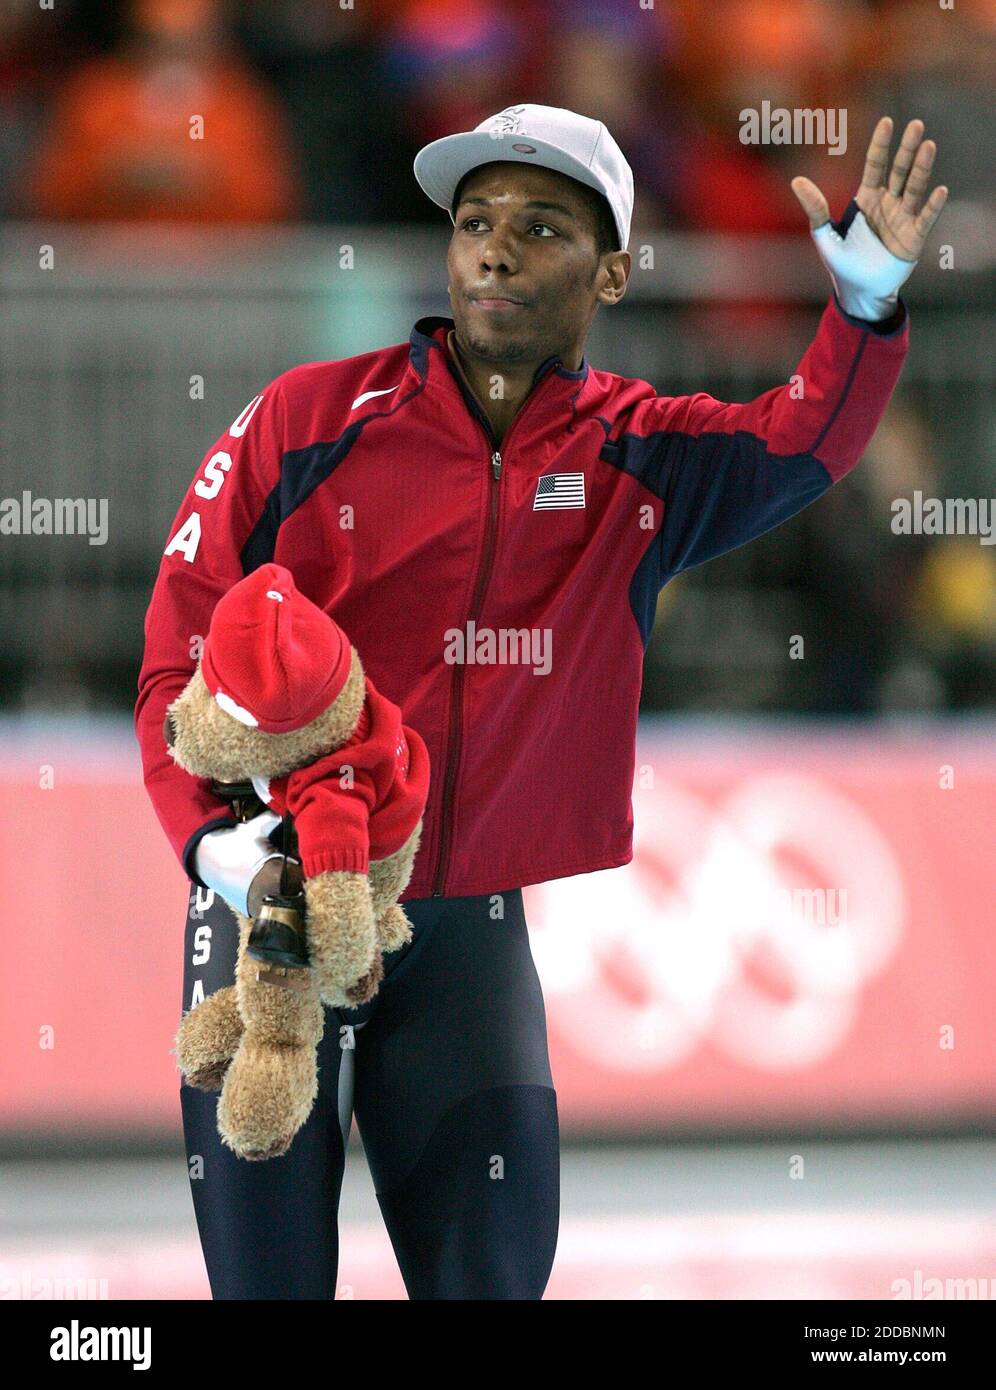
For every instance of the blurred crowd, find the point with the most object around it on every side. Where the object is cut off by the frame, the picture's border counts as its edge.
(313, 109)
(249, 111)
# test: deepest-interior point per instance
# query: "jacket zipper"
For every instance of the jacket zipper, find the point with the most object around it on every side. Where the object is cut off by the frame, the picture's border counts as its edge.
(454, 737)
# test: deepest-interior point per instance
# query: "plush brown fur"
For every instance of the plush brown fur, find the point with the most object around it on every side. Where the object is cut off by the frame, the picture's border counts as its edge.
(256, 1041)
(342, 937)
(210, 1035)
(272, 1082)
(388, 880)
(208, 1039)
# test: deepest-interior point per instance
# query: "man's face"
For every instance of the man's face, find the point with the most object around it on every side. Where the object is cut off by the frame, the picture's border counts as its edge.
(524, 273)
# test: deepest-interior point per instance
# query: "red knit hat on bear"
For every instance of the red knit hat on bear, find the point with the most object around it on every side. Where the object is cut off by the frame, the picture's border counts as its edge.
(273, 659)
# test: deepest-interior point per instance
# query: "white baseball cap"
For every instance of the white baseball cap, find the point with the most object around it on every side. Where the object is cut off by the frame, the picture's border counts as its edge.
(548, 136)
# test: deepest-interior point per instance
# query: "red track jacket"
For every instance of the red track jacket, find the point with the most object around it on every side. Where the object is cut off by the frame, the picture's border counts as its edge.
(378, 482)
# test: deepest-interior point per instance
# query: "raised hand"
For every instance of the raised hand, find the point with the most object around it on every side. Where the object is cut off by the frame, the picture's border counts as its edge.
(894, 201)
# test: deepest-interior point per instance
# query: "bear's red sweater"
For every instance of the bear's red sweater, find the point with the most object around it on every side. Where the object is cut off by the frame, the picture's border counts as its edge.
(363, 801)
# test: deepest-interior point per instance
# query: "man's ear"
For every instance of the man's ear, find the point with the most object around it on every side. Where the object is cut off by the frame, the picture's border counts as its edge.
(614, 272)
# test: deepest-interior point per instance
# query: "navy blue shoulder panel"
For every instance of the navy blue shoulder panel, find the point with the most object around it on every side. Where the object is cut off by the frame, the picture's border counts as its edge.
(719, 489)
(301, 471)
(644, 589)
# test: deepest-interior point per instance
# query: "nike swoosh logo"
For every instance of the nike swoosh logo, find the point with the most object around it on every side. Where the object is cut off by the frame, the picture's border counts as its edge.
(369, 395)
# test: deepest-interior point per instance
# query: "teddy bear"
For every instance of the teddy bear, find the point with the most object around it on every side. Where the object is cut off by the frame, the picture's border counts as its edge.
(280, 700)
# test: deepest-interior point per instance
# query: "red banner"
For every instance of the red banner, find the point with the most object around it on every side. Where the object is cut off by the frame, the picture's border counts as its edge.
(805, 934)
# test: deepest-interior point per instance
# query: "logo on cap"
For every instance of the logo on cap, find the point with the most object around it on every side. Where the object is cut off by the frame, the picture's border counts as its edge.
(507, 122)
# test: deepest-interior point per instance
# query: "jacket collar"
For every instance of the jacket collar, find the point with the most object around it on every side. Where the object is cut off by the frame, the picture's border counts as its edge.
(431, 360)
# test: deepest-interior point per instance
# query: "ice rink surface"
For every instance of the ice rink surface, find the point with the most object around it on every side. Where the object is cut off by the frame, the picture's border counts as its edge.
(869, 1219)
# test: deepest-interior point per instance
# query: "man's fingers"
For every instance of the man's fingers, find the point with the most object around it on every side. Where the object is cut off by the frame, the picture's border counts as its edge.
(931, 211)
(815, 206)
(916, 184)
(903, 162)
(877, 158)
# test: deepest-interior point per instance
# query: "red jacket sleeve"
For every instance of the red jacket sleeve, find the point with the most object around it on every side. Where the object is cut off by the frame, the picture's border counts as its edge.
(727, 473)
(201, 561)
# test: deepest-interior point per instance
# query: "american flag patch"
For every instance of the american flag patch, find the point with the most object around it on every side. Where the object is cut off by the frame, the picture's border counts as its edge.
(559, 490)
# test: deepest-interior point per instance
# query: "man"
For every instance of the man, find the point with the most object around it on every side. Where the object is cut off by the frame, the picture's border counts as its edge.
(490, 520)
